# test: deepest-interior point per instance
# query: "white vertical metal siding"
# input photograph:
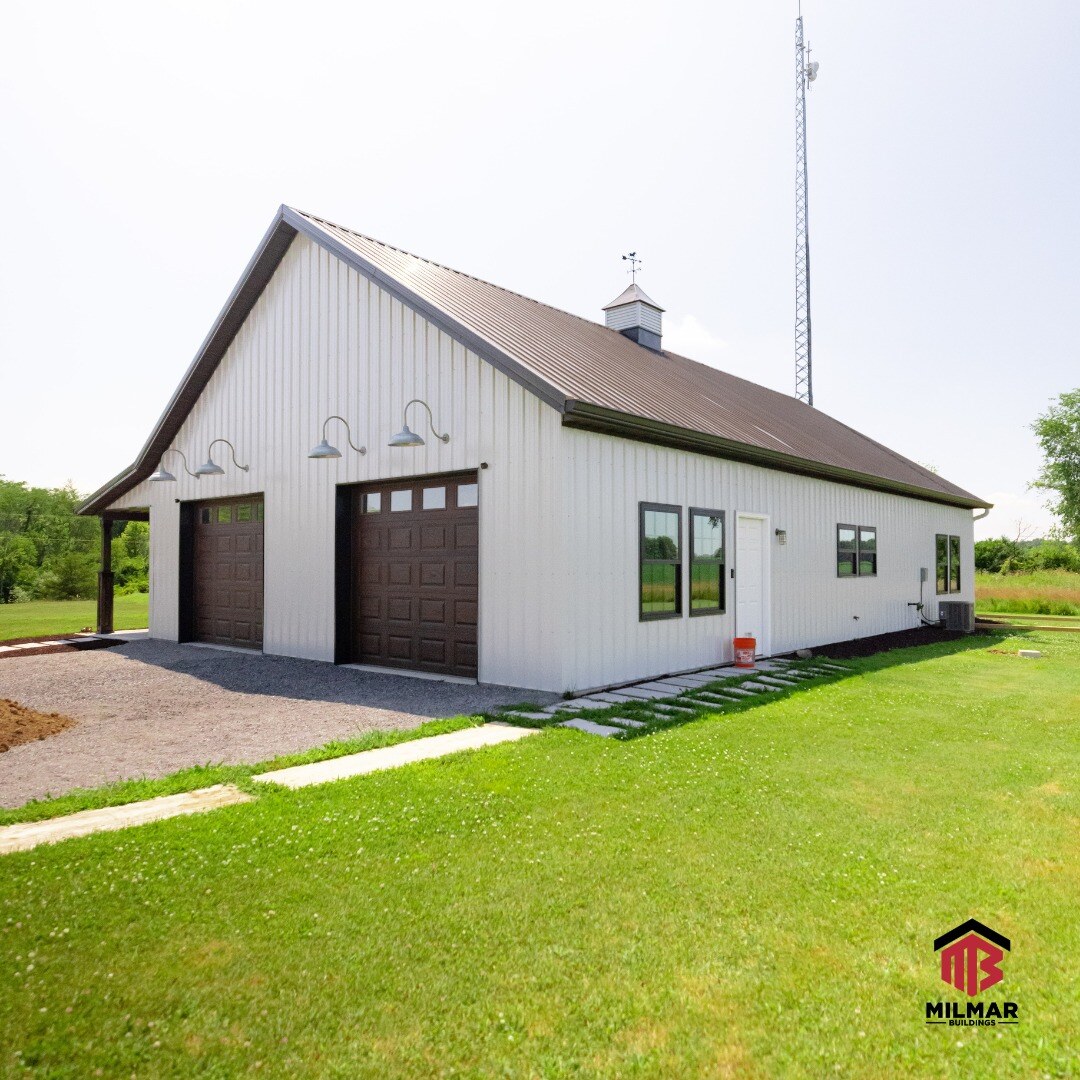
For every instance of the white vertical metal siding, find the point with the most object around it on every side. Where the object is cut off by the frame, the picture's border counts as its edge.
(323, 339)
(606, 478)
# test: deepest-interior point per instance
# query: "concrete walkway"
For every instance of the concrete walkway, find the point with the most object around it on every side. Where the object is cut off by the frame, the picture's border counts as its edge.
(28, 835)
(390, 757)
(23, 837)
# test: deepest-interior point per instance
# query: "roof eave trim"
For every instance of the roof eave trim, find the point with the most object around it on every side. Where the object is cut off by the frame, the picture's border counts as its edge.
(589, 417)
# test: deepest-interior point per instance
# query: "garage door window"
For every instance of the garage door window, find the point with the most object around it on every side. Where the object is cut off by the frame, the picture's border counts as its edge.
(467, 494)
(435, 498)
(400, 500)
(372, 503)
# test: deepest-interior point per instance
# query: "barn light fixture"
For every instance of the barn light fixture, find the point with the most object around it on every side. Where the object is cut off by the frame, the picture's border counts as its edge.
(405, 437)
(325, 450)
(163, 474)
(211, 468)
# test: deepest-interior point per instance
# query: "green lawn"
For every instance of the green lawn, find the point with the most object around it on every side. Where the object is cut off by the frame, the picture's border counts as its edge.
(39, 617)
(754, 894)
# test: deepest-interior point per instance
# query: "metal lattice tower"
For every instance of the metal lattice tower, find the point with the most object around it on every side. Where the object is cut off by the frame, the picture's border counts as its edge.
(804, 387)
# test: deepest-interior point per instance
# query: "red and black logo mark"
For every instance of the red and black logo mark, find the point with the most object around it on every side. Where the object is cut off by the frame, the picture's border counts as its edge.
(961, 949)
(971, 954)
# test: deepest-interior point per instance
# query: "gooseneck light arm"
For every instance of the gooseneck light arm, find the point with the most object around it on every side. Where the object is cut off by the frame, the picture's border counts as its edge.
(232, 448)
(348, 433)
(173, 450)
(431, 419)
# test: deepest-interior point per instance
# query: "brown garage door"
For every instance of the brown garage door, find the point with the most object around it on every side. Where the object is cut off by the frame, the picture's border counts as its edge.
(228, 572)
(414, 574)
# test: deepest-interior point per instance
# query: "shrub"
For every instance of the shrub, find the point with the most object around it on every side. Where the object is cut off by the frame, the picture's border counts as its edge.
(992, 555)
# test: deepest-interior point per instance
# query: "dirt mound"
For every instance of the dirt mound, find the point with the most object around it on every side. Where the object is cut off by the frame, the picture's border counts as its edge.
(18, 724)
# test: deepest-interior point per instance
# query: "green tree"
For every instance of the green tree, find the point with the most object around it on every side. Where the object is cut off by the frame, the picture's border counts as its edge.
(46, 550)
(18, 565)
(1058, 432)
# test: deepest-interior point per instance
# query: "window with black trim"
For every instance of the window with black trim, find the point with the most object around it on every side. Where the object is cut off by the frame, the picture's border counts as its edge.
(948, 563)
(706, 562)
(660, 535)
(867, 551)
(856, 550)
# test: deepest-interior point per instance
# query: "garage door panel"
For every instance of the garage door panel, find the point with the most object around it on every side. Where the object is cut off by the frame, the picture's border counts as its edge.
(466, 536)
(465, 612)
(433, 537)
(419, 554)
(399, 573)
(432, 611)
(227, 585)
(433, 650)
(399, 609)
(399, 646)
(433, 574)
(466, 574)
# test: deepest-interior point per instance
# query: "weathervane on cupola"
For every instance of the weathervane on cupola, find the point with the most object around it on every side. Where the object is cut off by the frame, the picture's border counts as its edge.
(633, 313)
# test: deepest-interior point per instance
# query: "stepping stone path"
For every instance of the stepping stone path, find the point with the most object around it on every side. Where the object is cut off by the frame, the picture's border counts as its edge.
(679, 697)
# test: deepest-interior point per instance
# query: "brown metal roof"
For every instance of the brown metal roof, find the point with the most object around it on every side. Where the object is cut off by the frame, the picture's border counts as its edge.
(598, 378)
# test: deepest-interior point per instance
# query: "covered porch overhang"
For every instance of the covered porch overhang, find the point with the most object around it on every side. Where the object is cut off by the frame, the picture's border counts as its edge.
(109, 521)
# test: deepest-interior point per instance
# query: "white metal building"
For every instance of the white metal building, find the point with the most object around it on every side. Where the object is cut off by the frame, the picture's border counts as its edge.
(600, 511)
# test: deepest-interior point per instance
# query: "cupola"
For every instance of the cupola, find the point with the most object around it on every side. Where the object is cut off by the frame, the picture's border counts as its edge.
(632, 313)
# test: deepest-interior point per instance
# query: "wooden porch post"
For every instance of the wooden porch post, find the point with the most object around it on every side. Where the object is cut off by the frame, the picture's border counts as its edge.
(105, 579)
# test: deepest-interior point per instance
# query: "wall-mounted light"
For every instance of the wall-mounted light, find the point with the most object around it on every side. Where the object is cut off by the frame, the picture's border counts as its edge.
(325, 450)
(211, 468)
(163, 475)
(781, 536)
(405, 437)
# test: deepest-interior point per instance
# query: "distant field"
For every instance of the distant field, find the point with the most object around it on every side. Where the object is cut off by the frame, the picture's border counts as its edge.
(39, 617)
(1044, 592)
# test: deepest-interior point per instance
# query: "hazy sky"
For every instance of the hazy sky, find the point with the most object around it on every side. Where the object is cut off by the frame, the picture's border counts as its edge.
(146, 147)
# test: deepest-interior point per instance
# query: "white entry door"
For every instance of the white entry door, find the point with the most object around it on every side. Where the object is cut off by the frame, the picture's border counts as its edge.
(752, 579)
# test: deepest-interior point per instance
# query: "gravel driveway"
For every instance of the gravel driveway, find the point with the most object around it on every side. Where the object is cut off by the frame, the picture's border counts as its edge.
(149, 708)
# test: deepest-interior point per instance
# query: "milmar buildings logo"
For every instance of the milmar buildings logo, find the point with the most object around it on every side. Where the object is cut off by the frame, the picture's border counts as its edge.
(970, 957)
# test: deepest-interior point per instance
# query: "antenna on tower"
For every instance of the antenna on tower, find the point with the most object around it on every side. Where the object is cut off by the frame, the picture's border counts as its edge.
(805, 74)
(635, 265)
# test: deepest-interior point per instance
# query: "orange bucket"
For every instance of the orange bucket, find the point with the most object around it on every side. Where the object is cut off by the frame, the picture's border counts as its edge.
(745, 651)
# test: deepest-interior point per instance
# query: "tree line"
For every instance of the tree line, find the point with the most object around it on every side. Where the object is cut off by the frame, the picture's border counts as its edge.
(47, 552)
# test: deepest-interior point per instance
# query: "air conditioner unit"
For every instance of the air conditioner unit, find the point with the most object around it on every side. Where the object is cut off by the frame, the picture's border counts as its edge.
(957, 615)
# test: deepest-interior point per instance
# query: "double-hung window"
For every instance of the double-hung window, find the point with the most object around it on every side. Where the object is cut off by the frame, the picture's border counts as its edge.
(856, 551)
(706, 562)
(948, 564)
(661, 561)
